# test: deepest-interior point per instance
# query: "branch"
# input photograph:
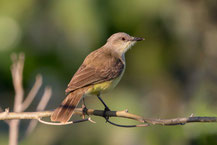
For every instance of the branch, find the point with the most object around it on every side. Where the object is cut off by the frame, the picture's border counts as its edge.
(17, 76)
(20, 105)
(41, 106)
(27, 102)
(67, 123)
(6, 110)
(122, 114)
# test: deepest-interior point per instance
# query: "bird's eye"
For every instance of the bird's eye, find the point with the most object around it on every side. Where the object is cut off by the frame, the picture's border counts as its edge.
(123, 39)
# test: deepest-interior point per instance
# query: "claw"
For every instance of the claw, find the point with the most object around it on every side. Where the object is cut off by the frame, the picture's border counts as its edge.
(106, 108)
(104, 114)
(84, 110)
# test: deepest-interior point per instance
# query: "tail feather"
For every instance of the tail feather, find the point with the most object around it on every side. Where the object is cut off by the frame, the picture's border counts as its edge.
(64, 112)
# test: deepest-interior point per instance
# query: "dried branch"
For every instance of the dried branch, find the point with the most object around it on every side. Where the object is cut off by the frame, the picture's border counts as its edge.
(41, 106)
(20, 105)
(67, 123)
(1, 110)
(44, 100)
(122, 114)
(32, 93)
(17, 76)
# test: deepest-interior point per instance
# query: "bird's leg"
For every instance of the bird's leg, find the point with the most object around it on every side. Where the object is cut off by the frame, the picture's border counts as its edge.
(84, 108)
(106, 108)
(107, 117)
(83, 102)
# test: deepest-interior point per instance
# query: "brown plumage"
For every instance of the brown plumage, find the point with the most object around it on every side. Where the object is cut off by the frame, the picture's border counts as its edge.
(101, 66)
(64, 112)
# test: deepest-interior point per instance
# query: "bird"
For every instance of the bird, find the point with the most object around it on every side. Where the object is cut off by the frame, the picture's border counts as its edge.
(99, 73)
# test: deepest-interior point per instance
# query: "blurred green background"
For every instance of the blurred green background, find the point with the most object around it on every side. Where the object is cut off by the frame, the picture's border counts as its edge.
(173, 73)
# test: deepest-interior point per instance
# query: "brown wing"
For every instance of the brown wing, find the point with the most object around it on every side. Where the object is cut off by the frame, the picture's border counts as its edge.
(97, 67)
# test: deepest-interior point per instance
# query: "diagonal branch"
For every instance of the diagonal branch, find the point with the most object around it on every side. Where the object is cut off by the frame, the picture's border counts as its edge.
(27, 102)
(44, 100)
(41, 106)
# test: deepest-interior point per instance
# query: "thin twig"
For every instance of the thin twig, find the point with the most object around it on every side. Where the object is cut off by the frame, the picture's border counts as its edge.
(38, 82)
(44, 100)
(17, 75)
(67, 123)
(6, 121)
(53, 123)
(41, 106)
(120, 125)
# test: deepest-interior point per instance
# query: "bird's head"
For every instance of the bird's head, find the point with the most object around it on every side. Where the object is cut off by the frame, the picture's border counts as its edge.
(121, 42)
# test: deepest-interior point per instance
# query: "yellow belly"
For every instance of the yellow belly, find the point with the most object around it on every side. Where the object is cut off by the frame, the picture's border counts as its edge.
(103, 87)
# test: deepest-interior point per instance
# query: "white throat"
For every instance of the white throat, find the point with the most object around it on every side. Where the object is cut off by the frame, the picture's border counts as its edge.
(123, 58)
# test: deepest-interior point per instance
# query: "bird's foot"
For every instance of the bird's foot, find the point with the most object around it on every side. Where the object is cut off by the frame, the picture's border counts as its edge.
(104, 114)
(84, 109)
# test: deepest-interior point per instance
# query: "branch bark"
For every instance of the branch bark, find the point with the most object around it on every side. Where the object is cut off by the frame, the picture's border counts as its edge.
(122, 114)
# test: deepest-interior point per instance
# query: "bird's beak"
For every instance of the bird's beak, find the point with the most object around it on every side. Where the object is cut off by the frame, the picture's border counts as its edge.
(137, 39)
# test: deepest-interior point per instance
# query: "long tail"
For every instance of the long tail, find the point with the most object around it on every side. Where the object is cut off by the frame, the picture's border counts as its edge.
(64, 112)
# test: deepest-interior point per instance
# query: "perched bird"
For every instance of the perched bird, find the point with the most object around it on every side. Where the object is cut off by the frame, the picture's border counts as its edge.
(100, 72)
